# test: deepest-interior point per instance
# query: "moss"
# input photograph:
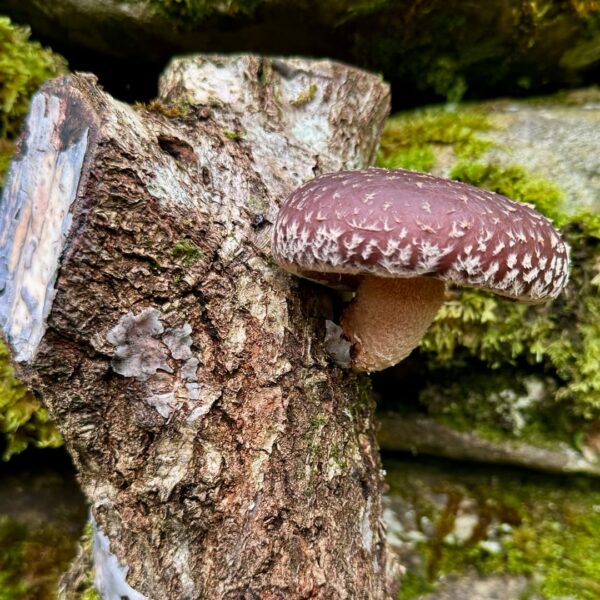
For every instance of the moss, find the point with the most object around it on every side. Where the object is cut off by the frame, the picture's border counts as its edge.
(562, 337)
(24, 66)
(545, 528)
(22, 420)
(88, 591)
(32, 560)
(187, 252)
(6, 151)
(474, 330)
(516, 183)
(233, 135)
(501, 405)
(409, 139)
(414, 585)
(179, 110)
(306, 96)
(193, 12)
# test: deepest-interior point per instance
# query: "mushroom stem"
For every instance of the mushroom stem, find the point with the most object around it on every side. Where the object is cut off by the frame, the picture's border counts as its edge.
(388, 317)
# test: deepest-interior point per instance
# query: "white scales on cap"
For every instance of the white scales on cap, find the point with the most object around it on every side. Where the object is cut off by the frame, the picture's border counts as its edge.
(348, 228)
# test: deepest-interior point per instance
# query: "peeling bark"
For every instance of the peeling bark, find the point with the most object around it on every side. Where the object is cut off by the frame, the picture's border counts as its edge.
(224, 454)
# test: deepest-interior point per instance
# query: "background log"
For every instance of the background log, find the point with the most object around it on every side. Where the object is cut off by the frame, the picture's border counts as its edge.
(222, 453)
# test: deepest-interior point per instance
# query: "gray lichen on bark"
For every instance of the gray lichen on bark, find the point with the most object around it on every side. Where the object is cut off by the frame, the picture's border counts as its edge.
(139, 351)
(236, 460)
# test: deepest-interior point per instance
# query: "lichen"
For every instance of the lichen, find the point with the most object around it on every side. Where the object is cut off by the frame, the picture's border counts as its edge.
(476, 332)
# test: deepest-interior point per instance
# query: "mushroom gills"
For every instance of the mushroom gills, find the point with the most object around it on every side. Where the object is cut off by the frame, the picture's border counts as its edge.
(388, 317)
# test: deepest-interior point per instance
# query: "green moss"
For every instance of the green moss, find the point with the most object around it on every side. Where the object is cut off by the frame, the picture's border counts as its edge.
(306, 96)
(6, 152)
(545, 528)
(22, 420)
(32, 560)
(187, 252)
(178, 110)
(233, 135)
(516, 183)
(409, 139)
(88, 591)
(24, 66)
(474, 330)
(501, 405)
(194, 12)
(561, 338)
(414, 585)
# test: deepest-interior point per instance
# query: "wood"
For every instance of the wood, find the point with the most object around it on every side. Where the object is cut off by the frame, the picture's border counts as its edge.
(223, 453)
(423, 435)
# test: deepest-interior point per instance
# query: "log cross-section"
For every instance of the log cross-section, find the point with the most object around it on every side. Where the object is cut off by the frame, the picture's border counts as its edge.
(223, 453)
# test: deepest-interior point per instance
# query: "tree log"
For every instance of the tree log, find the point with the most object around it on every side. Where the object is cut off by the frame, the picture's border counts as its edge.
(223, 453)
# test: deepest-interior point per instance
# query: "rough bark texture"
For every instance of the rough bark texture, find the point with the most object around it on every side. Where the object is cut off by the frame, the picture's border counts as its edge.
(224, 455)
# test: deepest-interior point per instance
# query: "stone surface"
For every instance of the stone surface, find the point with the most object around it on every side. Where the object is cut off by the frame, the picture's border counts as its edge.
(441, 47)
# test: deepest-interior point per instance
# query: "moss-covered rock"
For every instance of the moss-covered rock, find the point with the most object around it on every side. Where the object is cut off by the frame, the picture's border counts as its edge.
(476, 334)
(440, 47)
(24, 66)
(540, 533)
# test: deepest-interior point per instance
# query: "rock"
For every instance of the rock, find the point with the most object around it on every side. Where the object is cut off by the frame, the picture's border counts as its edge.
(443, 47)
(494, 380)
(555, 137)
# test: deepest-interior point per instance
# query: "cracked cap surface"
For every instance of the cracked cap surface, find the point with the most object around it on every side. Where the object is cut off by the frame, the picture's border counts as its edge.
(398, 223)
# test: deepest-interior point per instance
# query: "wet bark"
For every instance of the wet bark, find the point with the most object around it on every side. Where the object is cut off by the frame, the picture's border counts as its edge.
(223, 454)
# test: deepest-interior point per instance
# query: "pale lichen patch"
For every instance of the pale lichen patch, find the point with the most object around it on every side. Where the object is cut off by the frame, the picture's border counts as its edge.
(138, 350)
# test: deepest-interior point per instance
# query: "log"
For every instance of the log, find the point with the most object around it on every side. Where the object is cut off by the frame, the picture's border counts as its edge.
(423, 435)
(223, 453)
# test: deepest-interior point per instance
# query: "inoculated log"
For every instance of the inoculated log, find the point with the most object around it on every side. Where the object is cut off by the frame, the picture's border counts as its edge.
(223, 453)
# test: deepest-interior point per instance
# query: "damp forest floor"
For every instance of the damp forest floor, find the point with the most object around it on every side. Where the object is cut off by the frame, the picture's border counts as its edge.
(535, 534)
(463, 531)
(42, 515)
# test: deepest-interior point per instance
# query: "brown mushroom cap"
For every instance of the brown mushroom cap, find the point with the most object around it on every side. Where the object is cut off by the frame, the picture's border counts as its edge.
(398, 223)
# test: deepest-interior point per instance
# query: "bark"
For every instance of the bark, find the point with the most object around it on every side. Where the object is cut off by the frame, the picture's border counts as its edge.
(223, 453)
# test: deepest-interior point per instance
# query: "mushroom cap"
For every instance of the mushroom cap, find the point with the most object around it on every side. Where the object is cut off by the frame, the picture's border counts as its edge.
(341, 226)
